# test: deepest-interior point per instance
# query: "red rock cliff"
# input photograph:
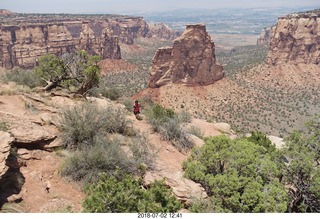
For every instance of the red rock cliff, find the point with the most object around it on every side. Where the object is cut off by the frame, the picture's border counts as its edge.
(22, 43)
(296, 39)
(191, 60)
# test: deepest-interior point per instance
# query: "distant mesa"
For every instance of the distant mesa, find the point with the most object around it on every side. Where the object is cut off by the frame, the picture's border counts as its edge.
(6, 12)
(191, 60)
(296, 39)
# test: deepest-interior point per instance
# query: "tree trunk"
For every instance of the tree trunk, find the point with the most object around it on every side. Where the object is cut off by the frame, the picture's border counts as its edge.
(51, 85)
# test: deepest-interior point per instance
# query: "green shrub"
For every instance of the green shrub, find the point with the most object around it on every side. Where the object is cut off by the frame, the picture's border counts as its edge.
(86, 164)
(142, 154)
(261, 139)
(160, 113)
(172, 131)
(85, 121)
(238, 175)
(106, 156)
(201, 206)
(124, 194)
(302, 150)
(128, 103)
(167, 123)
(23, 77)
(111, 93)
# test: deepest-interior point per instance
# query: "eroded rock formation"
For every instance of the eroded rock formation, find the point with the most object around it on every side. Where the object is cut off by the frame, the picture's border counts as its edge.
(5, 141)
(264, 37)
(190, 61)
(296, 39)
(162, 31)
(21, 45)
(24, 38)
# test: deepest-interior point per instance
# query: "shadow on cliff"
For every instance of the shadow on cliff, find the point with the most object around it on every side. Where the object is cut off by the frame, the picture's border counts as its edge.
(11, 182)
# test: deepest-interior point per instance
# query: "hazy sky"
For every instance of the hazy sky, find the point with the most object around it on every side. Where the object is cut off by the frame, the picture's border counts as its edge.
(113, 6)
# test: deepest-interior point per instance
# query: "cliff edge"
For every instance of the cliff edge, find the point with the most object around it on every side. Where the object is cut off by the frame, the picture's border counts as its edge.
(296, 39)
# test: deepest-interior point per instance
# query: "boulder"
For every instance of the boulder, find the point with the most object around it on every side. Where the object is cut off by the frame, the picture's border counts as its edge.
(25, 132)
(185, 190)
(277, 141)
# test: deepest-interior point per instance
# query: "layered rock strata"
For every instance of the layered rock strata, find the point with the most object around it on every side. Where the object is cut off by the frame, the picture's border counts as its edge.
(21, 43)
(296, 39)
(190, 61)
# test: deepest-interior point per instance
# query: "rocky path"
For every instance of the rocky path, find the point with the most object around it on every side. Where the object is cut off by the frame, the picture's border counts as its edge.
(168, 164)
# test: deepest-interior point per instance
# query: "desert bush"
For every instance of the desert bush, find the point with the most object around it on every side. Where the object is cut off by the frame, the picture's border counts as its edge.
(112, 93)
(171, 131)
(128, 103)
(81, 123)
(105, 156)
(184, 116)
(201, 206)
(86, 164)
(196, 131)
(23, 77)
(14, 90)
(158, 115)
(167, 123)
(161, 113)
(142, 153)
(238, 175)
(122, 193)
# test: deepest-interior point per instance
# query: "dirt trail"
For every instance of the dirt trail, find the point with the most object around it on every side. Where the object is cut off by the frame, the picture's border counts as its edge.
(45, 190)
(168, 164)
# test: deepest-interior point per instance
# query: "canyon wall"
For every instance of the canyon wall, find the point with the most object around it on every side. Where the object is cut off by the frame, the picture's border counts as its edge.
(296, 39)
(21, 43)
(190, 61)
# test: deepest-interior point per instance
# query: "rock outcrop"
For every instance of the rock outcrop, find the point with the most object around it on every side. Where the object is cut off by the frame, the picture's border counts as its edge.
(5, 140)
(25, 132)
(264, 37)
(190, 61)
(296, 39)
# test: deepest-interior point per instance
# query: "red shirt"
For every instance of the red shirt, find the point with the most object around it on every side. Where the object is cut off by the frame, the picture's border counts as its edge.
(136, 107)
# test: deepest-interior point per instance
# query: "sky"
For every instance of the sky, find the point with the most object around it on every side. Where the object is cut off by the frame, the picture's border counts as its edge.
(120, 6)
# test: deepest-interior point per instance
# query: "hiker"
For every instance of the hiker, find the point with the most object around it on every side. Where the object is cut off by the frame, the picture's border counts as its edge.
(136, 108)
